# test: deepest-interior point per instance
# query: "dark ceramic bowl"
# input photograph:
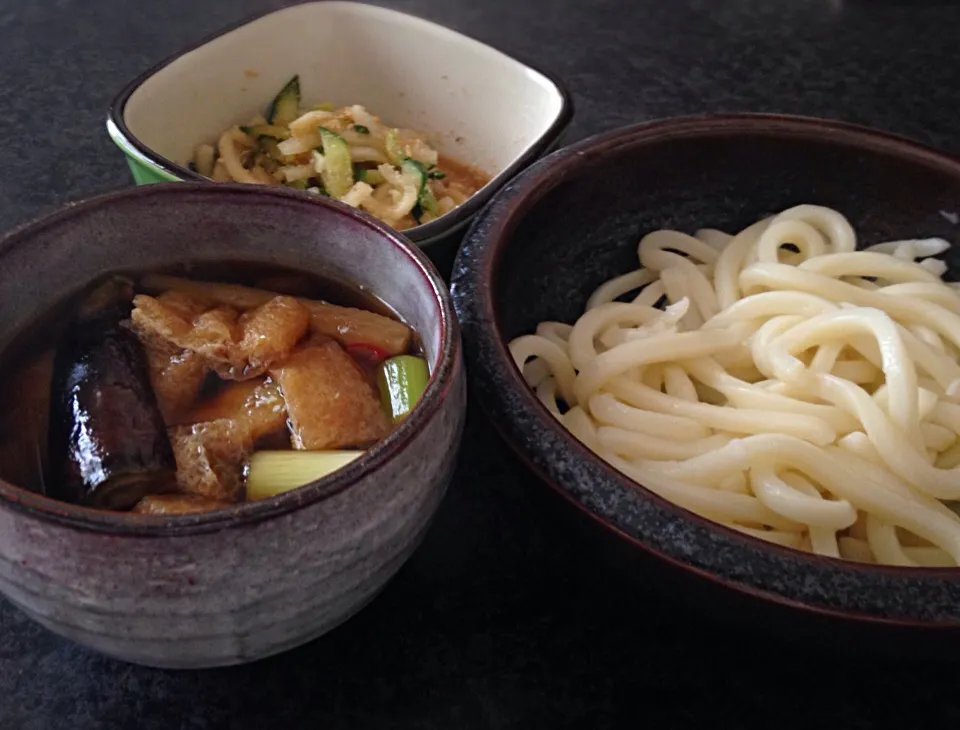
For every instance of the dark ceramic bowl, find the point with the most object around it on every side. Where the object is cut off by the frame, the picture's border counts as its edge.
(574, 219)
(237, 584)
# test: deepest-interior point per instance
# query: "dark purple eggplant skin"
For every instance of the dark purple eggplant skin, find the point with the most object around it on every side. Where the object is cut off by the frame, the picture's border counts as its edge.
(108, 443)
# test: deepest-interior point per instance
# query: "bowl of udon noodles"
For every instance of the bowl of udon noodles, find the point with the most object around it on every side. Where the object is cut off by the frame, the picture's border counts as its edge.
(734, 342)
(229, 416)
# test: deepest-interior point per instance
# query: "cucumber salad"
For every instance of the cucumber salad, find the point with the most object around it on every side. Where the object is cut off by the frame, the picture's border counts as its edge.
(345, 153)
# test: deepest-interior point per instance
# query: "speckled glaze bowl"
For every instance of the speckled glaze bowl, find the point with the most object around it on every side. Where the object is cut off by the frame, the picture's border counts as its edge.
(574, 219)
(238, 584)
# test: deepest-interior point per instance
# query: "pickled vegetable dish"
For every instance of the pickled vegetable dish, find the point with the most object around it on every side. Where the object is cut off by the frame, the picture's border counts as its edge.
(164, 394)
(345, 153)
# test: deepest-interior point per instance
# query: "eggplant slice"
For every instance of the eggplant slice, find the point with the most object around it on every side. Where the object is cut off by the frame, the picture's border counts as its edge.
(108, 442)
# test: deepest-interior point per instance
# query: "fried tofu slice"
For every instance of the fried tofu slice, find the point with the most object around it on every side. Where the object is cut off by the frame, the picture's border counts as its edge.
(210, 458)
(330, 403)
(351, 326)
(184, 305)
(176, 376)
(209, 333)
(213, 335)
(237, 347)
(271, 331)
(209, 292)
(347, 325)
(177, 504)
(255, 406)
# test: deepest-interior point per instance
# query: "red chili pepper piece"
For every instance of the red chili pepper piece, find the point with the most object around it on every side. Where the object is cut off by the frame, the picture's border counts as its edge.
(366, 351)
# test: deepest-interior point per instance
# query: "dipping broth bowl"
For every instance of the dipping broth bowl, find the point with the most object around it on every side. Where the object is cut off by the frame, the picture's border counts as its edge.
(574, 220)
(257, 578)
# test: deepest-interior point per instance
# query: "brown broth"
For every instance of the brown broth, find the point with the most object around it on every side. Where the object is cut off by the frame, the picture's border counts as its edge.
(463, 174)
(26, 364)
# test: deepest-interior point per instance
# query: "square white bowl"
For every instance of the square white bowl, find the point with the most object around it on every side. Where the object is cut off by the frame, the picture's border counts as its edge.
(477, 104)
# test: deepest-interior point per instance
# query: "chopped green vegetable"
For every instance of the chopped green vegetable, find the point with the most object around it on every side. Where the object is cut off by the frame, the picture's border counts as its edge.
(286, 105)
(402, 380)
(275, 472)
(436, 175)
(270, 131)
(337, 172)
(426, 200)
(395, 151)
(360, 129)
(204, 160)
(324, 107)
(269, 147)
(265, 161)
(370, 177)
(298, 184)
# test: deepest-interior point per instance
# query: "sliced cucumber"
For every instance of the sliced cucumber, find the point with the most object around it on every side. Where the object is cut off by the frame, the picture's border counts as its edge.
(402, 380)
(268, 163)
(370, 177)
(270, 148)
(415, 170)
(394, 147)
(275, 472)
(286, 105)
(267, 131)
(426, 200)
(337, 172)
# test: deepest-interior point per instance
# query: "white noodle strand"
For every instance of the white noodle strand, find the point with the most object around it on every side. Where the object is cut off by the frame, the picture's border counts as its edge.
(778, 381)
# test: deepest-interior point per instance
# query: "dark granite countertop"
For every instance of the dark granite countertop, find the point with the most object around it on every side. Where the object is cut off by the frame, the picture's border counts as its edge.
(500, 620)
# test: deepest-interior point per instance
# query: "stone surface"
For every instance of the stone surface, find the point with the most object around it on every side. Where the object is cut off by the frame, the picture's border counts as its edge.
(502, 619)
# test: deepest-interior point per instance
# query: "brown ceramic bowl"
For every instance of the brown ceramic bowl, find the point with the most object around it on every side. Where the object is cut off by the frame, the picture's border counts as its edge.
(573, 220)
(238, 584)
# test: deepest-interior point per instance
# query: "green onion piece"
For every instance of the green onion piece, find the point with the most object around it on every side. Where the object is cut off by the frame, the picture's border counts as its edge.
(324, 107)
(298, 184)
(361, 129)
(402, 380)
(436, 175)
(275, 472)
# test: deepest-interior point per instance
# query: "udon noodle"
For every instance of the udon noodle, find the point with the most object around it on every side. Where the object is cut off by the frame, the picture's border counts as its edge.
(777, 381)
